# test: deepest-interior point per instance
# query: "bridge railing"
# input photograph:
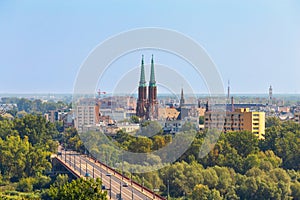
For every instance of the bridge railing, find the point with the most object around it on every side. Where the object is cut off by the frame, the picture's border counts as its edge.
(133, 183)
(128, 179)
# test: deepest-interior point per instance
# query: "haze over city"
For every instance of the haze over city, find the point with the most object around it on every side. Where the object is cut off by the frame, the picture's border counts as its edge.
(254, 44)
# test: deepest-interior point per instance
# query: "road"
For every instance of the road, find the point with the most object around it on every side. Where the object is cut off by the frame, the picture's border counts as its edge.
(82, 165)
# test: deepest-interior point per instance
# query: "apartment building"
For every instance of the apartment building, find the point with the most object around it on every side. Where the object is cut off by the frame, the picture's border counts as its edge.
(238, 120)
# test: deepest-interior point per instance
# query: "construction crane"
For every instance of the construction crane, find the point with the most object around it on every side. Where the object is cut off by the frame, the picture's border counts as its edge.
(99, 92)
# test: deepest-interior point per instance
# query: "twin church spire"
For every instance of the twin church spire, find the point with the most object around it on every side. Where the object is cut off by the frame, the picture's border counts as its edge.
(152, 75)
(147, 108)
(142, 77)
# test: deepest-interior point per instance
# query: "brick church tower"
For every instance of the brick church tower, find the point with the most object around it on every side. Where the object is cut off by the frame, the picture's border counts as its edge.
(147, 108)
(152, 111)
(141, 107)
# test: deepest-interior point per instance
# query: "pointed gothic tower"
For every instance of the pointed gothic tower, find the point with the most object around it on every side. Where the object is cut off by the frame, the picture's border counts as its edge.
(182, 99)
(141, 106)
(152, 112)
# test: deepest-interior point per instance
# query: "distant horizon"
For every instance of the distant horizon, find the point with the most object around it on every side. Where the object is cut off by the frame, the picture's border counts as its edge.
(159, 94)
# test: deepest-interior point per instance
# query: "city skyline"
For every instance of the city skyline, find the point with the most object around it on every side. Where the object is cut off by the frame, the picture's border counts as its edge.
(253, 44)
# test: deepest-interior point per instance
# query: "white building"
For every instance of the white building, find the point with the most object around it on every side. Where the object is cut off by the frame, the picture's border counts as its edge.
(86, 113)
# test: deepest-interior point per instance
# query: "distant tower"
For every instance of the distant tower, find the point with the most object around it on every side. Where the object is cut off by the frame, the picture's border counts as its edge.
(181, 99)
(232, 104)
(152, 111)
(228, 90)
(270, 95)
(199, 103)
(142, 94)
(207, 106)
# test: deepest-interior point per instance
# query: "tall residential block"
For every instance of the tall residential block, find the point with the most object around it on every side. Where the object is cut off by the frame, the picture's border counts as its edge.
(87, 113)
(238, 120)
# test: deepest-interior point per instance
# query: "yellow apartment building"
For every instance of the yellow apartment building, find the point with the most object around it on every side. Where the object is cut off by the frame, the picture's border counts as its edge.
(238, 120)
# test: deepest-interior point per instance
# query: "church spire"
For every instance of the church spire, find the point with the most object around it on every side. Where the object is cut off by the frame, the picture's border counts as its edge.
(181, 98)
(152, 75)
(142, 77)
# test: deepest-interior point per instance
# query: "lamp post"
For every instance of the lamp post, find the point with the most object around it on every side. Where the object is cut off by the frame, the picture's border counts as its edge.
(142, 184)
(80, 164)
(94, 172)
(106, 156)
(122, 167)
(168, 188)
(64, 149)
(120, 190)
(86, 168)
(109, 184)
(74, 161)
(131, 176)
(66, 156)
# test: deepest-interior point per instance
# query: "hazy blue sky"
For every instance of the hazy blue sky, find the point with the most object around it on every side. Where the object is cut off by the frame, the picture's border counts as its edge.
(253, 43)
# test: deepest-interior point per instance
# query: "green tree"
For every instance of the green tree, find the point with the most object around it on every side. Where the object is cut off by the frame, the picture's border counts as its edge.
(244, 142)
(134, 119)
(202, 192)
(295, 187)
(272, 121)
(79, 189)
(140, 145)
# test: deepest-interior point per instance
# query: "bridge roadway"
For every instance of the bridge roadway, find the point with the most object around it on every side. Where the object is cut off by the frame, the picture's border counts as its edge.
(81, 165)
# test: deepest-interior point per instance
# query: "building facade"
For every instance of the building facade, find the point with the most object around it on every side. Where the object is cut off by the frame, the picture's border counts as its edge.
(238, 120)
(87, 113)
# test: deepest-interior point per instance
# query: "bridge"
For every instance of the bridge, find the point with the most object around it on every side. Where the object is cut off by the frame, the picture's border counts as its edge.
(118, 186)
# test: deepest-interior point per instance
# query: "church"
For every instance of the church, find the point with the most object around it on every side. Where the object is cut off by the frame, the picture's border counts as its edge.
(147, 106)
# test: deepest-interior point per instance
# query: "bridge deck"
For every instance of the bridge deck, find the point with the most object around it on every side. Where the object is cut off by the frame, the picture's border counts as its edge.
(81, 165)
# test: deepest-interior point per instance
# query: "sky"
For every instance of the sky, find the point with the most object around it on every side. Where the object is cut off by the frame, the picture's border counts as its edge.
(254, 44)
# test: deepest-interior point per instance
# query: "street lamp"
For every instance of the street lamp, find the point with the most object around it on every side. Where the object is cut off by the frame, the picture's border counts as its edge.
(66, 156)
(80, 164)
(142, 183)
(131, 194)
(64, 149)
(168, 188)
(131, 176)
(122, 167)
(109, 184)
(94, 172)
(74, 161)
(120, 190)
(86, 169)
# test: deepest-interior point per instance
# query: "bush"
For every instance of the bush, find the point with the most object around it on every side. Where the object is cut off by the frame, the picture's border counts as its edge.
(26, 184)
